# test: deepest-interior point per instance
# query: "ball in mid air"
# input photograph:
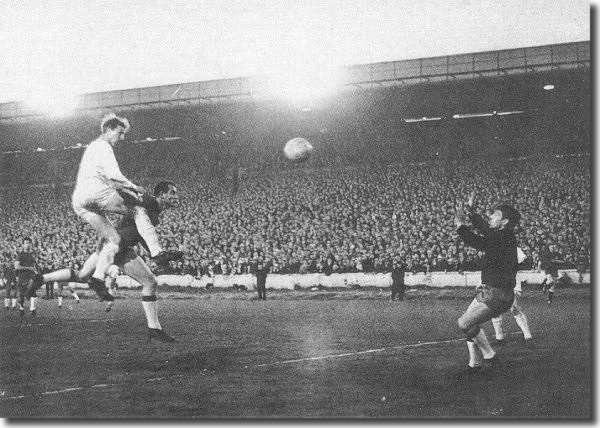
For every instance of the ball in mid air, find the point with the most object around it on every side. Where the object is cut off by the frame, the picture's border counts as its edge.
(298, 149)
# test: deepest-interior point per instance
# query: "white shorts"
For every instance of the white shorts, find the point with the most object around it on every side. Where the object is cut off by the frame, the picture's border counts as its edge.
(100, 202)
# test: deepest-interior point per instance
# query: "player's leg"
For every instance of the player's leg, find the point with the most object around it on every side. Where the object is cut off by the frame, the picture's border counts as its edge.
(60, 287)
(106, 256)
(73, 293)
(135, 268)
(60, 275)
(7, 292)
(469, 322)
(521, 320)
(13, 294)
(22, 292)
(550, 288)
(497, 323)
(31, 295)
(123, 201)
(105, 230)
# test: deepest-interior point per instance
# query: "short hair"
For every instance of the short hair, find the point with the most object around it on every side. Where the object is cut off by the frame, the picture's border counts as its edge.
(112, 121)
(510, 213)
(162, 187)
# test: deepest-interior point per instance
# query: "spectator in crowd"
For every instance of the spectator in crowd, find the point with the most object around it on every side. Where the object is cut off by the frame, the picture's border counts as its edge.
(329, 219)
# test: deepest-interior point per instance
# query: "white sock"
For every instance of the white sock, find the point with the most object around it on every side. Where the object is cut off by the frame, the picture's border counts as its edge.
(521, 320)
(106, 258)
(483, 344)
(474, 355)
(32, 304)
(147, 231)
(497, 323)
(151, 314)
(6, 302)
(14, 303)
(75, 296)
(59, 300)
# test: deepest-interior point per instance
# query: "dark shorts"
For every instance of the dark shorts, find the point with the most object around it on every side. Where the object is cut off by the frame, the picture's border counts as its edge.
(499, 300)
(25, 282)
(11, 285)
(125, 255)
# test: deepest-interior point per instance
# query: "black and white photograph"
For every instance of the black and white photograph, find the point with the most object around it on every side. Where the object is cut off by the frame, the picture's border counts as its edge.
(293, 210)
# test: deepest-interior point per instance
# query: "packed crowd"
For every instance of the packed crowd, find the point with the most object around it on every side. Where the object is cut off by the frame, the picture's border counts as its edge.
(338, 219)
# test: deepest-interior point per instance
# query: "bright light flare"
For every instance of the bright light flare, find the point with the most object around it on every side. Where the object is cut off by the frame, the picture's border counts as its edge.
(51, 101)
(303, 82)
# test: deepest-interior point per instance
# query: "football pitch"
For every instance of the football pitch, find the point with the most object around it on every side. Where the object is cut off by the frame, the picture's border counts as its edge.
(297, 355)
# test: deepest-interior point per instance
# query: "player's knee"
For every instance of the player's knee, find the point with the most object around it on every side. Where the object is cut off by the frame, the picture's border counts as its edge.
(463, 324)
(112, 247)
(149, 286)
(514, 311)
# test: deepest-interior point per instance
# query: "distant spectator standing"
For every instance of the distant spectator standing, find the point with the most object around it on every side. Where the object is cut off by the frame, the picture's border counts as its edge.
(261, 271)
(398, 285)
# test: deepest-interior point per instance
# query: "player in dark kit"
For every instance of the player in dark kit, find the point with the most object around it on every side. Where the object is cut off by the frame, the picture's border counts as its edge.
(549, 262)
(26, 271)
(10, 284)
(132, 265)
(498, 275)
(130, 237)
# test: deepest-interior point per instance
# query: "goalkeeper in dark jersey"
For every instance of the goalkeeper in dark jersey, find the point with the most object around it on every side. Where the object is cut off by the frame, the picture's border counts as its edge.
(496, 238)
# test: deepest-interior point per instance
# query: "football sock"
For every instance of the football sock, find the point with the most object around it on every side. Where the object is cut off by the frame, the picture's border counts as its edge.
(58, 275)
(59, 300)
(32, 303)
(550, 296)
(521, 320)
(147, 230)
(150, 309)
(105, 259)
(497, 323)
(14, 303)
(482, 343)
(6, 302)
(75, 296)
(474, 355)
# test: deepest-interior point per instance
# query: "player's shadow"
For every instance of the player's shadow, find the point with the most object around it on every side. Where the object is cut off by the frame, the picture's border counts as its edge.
(200, 360)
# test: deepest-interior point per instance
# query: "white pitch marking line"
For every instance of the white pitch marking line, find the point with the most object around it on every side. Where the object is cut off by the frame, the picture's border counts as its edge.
(298, 360)
(60, 391)
(74, 319)
(368, 351)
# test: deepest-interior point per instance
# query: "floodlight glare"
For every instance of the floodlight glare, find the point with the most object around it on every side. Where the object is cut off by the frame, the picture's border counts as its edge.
(51, 101)
(304, 81)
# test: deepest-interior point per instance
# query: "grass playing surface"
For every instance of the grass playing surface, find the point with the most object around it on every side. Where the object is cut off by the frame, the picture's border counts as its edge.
(298, 354)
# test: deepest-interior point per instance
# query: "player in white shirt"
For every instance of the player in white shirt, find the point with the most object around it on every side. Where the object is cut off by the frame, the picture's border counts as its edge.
(101, 188)
(515, 309)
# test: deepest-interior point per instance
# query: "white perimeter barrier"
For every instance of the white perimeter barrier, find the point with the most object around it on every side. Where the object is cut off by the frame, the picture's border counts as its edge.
(341, 280)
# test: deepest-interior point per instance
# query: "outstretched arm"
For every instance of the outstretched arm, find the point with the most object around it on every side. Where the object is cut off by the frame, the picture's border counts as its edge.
(478, 222)
(470, 238)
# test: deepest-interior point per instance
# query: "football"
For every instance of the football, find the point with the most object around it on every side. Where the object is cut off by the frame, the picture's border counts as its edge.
(298, 149)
